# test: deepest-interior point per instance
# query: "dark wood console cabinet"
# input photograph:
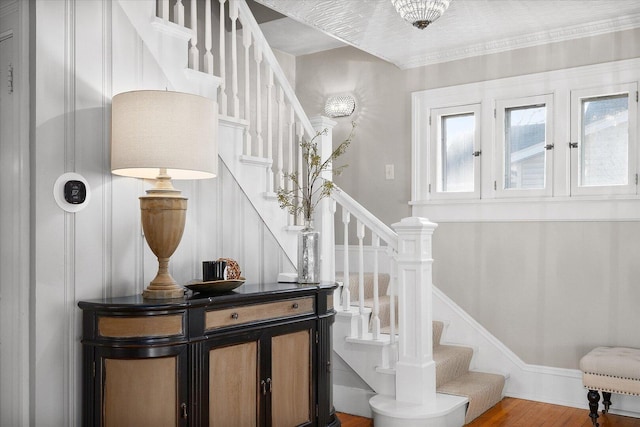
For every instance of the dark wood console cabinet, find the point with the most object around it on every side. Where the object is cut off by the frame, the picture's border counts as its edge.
(256, 356)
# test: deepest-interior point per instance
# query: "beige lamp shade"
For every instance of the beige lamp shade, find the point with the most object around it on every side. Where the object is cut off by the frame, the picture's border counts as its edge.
(153, 129)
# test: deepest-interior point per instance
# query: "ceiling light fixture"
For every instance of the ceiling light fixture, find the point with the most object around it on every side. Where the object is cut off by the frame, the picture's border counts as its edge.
(421, 13)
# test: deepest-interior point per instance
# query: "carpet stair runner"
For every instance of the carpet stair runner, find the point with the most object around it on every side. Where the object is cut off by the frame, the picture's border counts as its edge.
(483, 390)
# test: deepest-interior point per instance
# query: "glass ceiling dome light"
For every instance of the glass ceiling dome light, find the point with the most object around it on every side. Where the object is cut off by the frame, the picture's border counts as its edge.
(421, 13)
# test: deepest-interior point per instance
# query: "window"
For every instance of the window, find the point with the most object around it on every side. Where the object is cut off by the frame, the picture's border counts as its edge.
(558, 145)
(603, 147)
(524, 146)
(455, 168)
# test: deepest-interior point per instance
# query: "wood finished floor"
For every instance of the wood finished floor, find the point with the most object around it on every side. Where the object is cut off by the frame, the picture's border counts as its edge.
(525, 413)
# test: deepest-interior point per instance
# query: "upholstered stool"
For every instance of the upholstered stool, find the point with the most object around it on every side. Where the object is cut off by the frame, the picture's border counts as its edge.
(610, 370)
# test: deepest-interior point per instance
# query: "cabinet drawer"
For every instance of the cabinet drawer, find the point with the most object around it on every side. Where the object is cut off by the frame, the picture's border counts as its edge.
(238, 315)
(148, 326)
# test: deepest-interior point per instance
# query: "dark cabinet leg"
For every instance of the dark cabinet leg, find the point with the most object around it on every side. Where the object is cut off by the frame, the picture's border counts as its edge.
(606, 400)
(593, 397)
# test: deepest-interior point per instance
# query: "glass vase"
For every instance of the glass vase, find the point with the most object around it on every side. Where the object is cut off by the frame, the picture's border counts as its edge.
(308, 254)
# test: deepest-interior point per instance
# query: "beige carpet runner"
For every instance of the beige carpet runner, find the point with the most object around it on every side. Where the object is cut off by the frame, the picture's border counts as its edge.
(452, 361)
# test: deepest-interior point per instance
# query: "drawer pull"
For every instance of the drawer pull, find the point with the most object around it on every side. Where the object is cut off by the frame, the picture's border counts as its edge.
(234, 316)
(184, 410)
(295, 306)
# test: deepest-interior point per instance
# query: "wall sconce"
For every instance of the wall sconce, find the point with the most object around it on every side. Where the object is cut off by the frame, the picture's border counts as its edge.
(340, 106)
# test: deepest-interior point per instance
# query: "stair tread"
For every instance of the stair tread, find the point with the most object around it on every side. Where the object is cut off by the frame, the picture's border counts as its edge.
(451, 362)
(483, 390)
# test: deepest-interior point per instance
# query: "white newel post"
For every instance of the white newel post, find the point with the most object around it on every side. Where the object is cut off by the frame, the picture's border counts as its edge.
(415, 370)
(323, 218)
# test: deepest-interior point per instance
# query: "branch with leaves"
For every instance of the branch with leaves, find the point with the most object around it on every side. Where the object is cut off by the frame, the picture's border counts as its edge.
(308, 188)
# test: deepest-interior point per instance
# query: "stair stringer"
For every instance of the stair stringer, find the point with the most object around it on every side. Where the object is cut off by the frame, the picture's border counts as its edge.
(251, 173)
(168, 45)
(367, 358)
(532, 382)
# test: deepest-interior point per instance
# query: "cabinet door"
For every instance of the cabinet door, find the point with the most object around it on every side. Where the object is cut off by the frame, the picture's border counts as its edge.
(233, 385)
(291, 378)
(143, 391)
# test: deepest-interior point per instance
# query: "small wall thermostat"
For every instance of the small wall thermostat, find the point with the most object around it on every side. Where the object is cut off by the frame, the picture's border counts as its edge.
(71, 192)
(75, 192)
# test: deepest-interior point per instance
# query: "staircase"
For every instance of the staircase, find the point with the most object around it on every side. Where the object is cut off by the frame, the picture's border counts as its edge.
(453, 377)
(261, 125)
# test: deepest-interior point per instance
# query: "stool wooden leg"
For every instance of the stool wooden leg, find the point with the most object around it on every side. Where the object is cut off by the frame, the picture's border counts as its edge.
(606, 400)
(594, 397)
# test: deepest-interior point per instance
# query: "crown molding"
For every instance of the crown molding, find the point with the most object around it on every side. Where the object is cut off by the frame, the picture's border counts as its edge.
(536, 39)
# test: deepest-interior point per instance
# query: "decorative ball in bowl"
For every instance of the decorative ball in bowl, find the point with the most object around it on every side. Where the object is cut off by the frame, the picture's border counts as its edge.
(232, 279)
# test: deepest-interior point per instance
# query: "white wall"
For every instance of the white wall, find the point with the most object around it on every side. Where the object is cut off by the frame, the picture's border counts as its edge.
(519, 280)
(86, 51)
(14, 214)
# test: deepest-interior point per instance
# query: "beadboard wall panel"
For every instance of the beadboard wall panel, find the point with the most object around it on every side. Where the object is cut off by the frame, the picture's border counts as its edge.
(87, 51)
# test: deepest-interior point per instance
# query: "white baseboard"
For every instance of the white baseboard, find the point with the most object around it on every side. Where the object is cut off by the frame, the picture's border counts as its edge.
(531, 382)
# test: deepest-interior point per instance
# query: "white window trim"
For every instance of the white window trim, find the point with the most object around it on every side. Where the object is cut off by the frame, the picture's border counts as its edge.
(562, 205)
(629, 89)
(434, 149)
(501, 107)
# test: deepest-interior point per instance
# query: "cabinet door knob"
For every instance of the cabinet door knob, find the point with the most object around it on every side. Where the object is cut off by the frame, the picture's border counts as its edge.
(234, 316)
(263, 384)
(295, 306)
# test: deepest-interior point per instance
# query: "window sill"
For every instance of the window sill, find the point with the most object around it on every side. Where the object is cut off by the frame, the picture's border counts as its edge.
(582, 208)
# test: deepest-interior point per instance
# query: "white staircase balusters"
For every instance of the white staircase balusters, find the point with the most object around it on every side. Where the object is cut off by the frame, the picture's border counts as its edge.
(280, 140)
(233, 15)
(223, 63)
(375, 315)
(300, 135)
(410, 279)
(257, 56)
(270, 123)
(178, 13)
(194, 53)
(346, 293)
(208, 40)
(323, 215)
(392, 292)
(291, 143)
(364, 320)
(246, 43)
(163, 10)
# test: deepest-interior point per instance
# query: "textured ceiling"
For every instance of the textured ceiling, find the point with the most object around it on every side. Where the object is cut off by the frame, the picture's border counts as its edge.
(467, 28)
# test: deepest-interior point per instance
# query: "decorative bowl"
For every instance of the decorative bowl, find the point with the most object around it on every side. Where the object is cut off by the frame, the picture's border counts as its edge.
(215, 285)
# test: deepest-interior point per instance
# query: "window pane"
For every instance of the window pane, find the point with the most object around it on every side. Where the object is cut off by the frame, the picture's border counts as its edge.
(604, 157)
(524, 147)
(456, 159)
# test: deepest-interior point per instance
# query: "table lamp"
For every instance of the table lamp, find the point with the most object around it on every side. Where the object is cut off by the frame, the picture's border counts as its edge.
(163, 135)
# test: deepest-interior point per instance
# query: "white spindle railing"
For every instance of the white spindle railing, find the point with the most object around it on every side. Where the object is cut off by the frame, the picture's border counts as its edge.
(285, 121)
(280, 141)
(346, 293)
(208, 38)
(163, 10)
(233, 15)
(269, 108)
(194, 53)
(367, 224)
(223, 62)
(257, 56)
(178, 12)
(375, 315)
(292, 127)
